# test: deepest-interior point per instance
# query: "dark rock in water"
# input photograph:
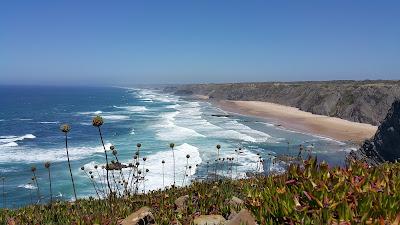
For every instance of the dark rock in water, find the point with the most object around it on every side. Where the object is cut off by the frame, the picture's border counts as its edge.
(183, 92)
(221, 115)
(385, 145)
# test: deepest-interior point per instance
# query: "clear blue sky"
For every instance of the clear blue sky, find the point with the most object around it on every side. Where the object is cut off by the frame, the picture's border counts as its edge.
(189, 41)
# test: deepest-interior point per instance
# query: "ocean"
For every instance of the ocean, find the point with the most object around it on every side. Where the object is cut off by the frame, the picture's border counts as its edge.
(30, 119)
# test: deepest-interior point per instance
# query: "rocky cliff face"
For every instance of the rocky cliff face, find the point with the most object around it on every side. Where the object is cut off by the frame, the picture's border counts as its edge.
(359, 101)
(385, 145)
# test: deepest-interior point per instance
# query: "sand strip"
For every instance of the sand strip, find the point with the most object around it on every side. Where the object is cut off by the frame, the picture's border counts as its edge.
(295, 119)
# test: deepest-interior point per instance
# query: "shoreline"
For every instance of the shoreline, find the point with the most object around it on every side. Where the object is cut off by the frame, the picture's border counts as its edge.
(294, 119)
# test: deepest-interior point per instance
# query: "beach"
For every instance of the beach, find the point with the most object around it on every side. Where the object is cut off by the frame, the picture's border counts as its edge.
(297, 120)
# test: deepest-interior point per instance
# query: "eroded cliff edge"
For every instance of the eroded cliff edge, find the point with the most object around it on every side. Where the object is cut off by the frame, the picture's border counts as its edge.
(358, 101)
(385, 145)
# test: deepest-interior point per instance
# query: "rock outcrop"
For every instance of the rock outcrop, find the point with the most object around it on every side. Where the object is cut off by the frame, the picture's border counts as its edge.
(141, 217)
(385, 145)
(209, 220)
(358, 101)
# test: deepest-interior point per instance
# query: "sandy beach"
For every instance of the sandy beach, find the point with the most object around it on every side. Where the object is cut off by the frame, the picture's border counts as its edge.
(295, 119)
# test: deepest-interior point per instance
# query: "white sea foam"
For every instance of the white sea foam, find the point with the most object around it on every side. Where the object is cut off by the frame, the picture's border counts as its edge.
(8, 170)
(146, 100)
(27, 186)
(180, 152)
(11, 141)
(167, 130)
(132, 108)
(313, 135)
(34, 155)
(189, 116)
(155, 96)
(91, 113)
(50, 122)
(154, 178)
(172, 106)
(247, 132)
(115, 117)
(10, 144)
(266, 124)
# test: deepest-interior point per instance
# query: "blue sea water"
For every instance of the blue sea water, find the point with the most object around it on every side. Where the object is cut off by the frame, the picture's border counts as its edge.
(30, 117)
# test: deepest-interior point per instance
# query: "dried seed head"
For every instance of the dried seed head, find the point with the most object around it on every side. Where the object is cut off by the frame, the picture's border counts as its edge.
(65, 128)
(33, 168)
(218, 146)
(163, 162)
(97, 121)
(187, 156)
(137, 163)
(47, 165)
(95, 166)
(91, 177)
(82, 168)
(112, 147)
(171, 145)
(90, 172)
(138, 145)
(114, 152)
(144, 158)
(147, 170)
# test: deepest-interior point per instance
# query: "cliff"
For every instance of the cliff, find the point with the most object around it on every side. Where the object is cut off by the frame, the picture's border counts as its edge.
(385, 145)
(359, 101)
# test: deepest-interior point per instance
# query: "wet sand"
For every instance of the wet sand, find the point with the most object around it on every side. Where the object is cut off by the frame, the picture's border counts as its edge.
(295, 119)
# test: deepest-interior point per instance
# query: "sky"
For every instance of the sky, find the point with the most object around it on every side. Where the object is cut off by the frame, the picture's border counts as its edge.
(197, 41)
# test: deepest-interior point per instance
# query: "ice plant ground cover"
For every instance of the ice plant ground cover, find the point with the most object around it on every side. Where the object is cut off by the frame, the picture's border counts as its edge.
(308, 193)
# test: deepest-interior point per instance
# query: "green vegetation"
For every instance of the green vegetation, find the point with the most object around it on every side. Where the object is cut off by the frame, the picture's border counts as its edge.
(309, 193)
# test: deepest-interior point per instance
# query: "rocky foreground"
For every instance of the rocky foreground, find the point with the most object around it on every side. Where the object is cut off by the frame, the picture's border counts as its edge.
(358, 101)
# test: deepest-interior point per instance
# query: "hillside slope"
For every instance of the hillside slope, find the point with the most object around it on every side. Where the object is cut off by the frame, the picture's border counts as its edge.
(359, 101)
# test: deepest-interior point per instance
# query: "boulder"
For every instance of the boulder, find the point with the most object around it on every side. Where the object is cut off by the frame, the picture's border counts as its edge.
(235, 201)
(143, 216)
(243, 217)
(209, 220)
(181, 202)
